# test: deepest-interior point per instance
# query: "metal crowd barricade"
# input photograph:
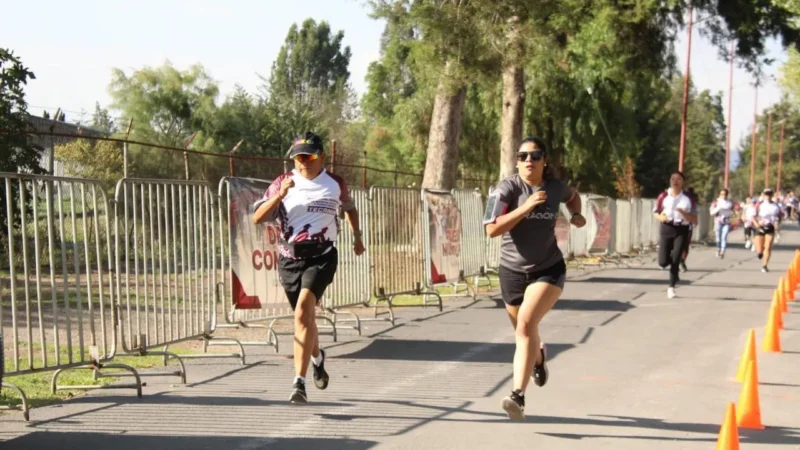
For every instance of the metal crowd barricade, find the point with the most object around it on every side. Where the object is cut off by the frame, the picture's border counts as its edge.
(58, 310)
(350, 286)
(647, 225)
(442, 244)
(234, 208)
(473, 253)
(636, 230)
(166, 254)
(703, 227)
(396, 239)
(625, 224)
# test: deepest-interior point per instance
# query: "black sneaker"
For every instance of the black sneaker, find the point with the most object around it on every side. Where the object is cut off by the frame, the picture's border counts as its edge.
(298, 393)
(320, 375)
(540, 370)
(514, 406)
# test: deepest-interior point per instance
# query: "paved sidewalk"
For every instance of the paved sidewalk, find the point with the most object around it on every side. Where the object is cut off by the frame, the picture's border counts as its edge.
(630, 369)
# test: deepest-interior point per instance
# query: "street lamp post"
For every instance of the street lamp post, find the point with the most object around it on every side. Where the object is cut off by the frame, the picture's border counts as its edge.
(753, 146)
(769, 142)
(780, 157)
(730, 106)
(686, 89)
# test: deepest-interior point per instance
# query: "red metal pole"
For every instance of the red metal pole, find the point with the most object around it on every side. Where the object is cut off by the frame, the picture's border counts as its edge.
(753, 146)
(780, 158)
(769, 141)
(730, 107)
(686, 90)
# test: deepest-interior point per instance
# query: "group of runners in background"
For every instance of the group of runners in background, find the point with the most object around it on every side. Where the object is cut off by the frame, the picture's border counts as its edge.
(760, 217)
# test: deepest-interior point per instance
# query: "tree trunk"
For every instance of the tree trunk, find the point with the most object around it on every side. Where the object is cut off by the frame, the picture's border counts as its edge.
(513, 110)
(441, 160)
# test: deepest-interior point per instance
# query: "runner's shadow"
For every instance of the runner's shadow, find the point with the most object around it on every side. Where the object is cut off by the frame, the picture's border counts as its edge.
(440, 351)
(592, 305)
(82, 441)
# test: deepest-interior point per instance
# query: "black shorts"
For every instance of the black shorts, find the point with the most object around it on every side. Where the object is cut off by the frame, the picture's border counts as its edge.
(314, 274)
(749, 231)
(766, 229)
(513, 283)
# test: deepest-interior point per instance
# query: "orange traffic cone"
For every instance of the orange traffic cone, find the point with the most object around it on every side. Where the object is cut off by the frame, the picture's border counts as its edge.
(748, 410)
(772, 338)
(748, 355)
(782, 294)
(787, 292)
(729, 432)
(776, 305)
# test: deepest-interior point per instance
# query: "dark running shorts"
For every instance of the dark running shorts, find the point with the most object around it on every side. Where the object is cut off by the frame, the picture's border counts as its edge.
(766, 229)
(513, 284)
(314, 274)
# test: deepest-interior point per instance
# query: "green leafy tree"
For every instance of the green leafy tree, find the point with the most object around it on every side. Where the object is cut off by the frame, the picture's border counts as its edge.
(102, 121)
(98, 160)
(17, 153)
(167, 106)
(308, 88)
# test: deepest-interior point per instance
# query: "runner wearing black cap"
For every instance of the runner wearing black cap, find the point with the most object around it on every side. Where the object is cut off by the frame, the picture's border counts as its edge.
(768, 214)
(676, 211)
(523, 210)
(307, 202)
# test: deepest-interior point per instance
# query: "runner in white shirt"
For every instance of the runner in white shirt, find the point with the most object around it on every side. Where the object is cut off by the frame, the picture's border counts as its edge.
(722, 210)
(676, 211)
(306, 202)
(749, 230)
(768, 214)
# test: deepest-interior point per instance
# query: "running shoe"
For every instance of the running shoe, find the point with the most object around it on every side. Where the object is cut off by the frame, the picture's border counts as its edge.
(671, 292)
(320, 375)
(514, 406)
(683, 266)
(298, 393)
(764, 269)
(540, 371)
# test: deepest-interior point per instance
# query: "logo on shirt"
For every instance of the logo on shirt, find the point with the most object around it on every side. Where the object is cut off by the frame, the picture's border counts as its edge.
(542, 215)
(324, 206)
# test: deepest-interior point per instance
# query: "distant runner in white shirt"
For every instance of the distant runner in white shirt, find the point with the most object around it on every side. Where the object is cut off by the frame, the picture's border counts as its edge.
(307, 202)
(676, 211)
(722, 210)
(768, 215)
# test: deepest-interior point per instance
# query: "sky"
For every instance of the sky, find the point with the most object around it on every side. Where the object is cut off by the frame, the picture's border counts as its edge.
(72, 47)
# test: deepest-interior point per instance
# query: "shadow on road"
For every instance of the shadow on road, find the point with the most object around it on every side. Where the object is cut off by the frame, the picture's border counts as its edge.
(771, 435)
(458, 351)
(82, 441)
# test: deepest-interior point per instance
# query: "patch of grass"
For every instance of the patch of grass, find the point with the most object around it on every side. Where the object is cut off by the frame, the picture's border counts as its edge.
(37, 385)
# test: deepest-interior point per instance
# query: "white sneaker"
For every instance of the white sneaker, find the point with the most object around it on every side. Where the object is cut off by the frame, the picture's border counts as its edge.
(671, 292)
(748, 244)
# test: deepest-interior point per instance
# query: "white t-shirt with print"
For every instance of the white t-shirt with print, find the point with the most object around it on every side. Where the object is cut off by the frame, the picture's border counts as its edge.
(311, 208)
(768, 213)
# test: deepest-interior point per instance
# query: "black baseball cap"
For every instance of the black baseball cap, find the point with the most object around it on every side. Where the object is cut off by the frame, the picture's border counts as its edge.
(767, 191)
(306, 144)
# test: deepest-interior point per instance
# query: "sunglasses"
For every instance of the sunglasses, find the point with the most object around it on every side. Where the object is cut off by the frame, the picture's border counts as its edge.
(535, 156)
(306, 158)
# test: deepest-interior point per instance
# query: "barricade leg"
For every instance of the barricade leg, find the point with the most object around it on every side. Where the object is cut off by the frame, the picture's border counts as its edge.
(275, 334)
(25, 408)
(340, 322)
(97, 369)
(272, 338)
